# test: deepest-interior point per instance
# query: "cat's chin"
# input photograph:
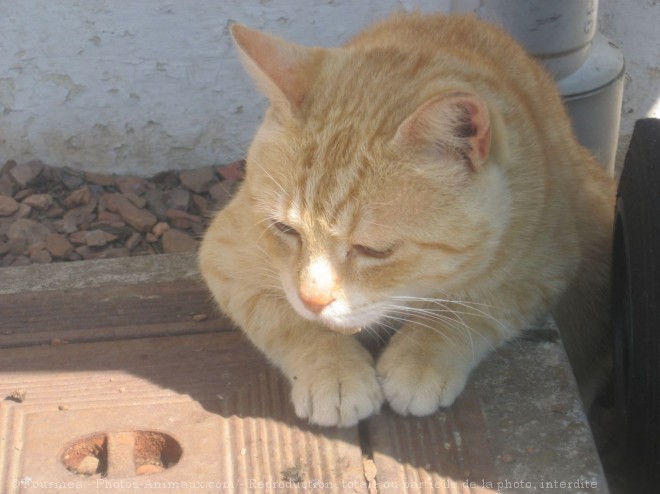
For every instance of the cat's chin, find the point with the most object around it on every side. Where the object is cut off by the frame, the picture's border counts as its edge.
(331, 324)
(347, 330)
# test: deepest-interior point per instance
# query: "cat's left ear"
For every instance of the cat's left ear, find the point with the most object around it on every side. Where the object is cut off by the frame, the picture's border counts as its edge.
(283, 71)
(456, 123)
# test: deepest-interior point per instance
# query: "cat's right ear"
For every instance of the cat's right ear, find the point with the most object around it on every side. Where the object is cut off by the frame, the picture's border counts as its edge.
(457, 123)
(282, 70)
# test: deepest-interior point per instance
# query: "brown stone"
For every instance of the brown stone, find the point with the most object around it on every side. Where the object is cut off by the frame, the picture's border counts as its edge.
(78, 238)
(17, 245)
(55, 212)
(221, 193)
(23, 212)
(72, 179)
(8, 206)
(58, 246)
(233, 171)
(156, 202)
(116, 228)
(41, 256)
(140, 219)
(99, 179)
(133, 241)
(199, 180)
(21, 261)
(178, 214)
(159, 229)
(95, 238)
(26, 173)
(177, 198)
(4, 248)
(176, 242)
(74, 256)
(182, 223)
(108, 217)
(109, 236)
(7, 185)
(78, 216)
(136, 185)
(51, 174)
(140, 202)
(198, 229)
(9, 164)
(200, 203)
(39, 201)
(78, 197)
(67, 225)
(32, 248)
(22, 194)
(5, 223)
(30, 230)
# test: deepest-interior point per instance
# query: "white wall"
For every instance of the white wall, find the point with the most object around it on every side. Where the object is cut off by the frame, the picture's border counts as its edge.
(129, 86)
(634, 25)
(125, 86)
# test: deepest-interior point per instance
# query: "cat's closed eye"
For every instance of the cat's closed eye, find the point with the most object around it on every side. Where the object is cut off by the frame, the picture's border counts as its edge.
(370, 252)
(286, 229)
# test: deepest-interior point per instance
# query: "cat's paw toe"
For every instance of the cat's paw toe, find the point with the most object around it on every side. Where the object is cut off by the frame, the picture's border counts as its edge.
(337, 400)
(413, 389)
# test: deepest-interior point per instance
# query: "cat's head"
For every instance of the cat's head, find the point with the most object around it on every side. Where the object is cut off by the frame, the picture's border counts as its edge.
(367, 187)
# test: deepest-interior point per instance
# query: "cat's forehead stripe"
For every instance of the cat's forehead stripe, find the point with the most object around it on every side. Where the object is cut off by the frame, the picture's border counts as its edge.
(335, 195)
(356, 182)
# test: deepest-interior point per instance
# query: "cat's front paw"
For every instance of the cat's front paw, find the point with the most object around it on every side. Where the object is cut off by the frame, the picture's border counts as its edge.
(332, 395)
(419, 387)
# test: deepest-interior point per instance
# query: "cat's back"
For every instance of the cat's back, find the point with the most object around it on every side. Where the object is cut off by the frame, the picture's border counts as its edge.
(471, 41)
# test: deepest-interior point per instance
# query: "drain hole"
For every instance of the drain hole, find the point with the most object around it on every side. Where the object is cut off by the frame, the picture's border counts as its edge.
(87, 456)
(155, 452)
(111, 454)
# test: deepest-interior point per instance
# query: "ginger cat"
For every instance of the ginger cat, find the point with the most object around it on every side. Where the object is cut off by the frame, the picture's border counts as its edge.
(424, 176)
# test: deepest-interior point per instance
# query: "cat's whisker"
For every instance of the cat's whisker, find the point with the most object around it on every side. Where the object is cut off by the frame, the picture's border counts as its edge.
(375, 330)
(448, 309)
(397, 329)
(475, 306)
(263, 169)
(264, 231)
(458, 325)
(443, 300)
(438, 330)
(445, 321)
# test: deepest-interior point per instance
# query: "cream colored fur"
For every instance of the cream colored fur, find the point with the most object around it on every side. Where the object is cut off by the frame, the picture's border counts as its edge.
(424, 175)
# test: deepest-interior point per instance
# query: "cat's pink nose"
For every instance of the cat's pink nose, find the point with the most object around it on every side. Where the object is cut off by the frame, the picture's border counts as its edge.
(316, 302)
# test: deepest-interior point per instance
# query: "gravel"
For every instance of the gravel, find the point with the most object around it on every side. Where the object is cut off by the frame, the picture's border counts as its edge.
(50, 214)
